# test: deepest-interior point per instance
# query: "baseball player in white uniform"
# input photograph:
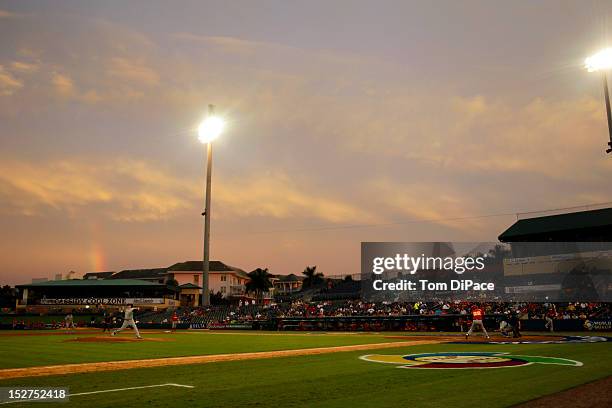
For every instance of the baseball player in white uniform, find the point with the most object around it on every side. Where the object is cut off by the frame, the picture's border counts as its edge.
(128, 320)
(69, 322)
(505, 328)
(550, 314)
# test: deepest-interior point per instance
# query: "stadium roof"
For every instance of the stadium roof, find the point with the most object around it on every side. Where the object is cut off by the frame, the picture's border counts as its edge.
(154, 273)
(290, 278)
(90, 282)
(98, 275)
(593, 225)
(197, 266)
(214, 266)
(189, 286)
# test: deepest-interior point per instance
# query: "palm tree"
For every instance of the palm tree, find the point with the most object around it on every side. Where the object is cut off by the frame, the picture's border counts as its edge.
(498, 253)
(313, 277)
(7, 296)
(259, 282)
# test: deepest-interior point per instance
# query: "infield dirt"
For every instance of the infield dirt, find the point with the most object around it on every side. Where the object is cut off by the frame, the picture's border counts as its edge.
(109, 339)
(592, 395)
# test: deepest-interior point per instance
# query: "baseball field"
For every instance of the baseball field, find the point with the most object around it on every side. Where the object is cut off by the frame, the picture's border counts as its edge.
(202, 368)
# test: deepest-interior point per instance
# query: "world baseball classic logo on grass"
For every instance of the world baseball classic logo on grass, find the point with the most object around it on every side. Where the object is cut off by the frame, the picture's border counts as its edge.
(455, 360)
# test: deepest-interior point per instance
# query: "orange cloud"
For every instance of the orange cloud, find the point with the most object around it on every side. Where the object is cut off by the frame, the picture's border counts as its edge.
(133, 71)
(76, 187)
(7, 14)
(477, 134)
(441, 204)
(276, 195)
(25, 67)
(131, 190)
(432, 134)
(63, 85)
(8, 83)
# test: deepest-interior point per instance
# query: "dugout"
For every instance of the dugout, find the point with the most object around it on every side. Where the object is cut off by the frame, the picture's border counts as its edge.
(78, 294)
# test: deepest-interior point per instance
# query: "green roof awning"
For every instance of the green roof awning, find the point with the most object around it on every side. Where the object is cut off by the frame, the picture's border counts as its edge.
(91, 283)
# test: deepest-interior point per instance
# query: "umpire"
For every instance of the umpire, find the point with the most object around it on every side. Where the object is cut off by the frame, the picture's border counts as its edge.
(515, 322)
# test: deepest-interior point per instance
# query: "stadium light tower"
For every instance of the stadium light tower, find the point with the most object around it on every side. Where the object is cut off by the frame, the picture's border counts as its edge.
(209, 130)
(602, 61)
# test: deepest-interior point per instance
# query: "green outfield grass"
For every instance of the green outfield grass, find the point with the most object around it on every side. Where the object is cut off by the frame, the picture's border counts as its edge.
(336, 380)
(31, 350)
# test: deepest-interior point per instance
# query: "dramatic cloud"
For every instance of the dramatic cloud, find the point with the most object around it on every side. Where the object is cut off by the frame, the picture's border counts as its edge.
(63, 85)
(118, 189)
(130, 190)
(133, 71)
(25, 67)
(8, 83)
(418, 201)
(98, 118)
(277, 195)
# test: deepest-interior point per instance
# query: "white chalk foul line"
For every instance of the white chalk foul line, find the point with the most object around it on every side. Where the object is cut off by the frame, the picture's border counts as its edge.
(113, 390)
(132, 388)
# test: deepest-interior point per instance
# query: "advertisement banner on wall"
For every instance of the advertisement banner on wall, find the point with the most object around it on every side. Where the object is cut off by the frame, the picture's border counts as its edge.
(113, 301)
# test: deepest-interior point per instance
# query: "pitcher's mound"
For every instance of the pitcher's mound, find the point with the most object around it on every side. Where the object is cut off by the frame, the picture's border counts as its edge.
(112, 339)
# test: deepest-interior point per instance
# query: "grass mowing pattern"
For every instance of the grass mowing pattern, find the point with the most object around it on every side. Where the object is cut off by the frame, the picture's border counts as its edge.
(340, 380)
(30, 351)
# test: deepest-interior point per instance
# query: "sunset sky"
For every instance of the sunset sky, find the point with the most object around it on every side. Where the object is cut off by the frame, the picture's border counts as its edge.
(347, 121)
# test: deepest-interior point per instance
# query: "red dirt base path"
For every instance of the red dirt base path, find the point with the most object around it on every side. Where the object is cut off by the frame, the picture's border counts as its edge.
(112, 339)
(592, 395)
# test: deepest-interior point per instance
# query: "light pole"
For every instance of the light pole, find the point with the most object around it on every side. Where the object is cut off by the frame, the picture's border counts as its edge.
(602, 61)
(208, 131)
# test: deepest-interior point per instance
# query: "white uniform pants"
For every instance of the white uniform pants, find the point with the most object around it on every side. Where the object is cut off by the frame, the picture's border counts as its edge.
(549, 324)
(127, 323)
(478, 323)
